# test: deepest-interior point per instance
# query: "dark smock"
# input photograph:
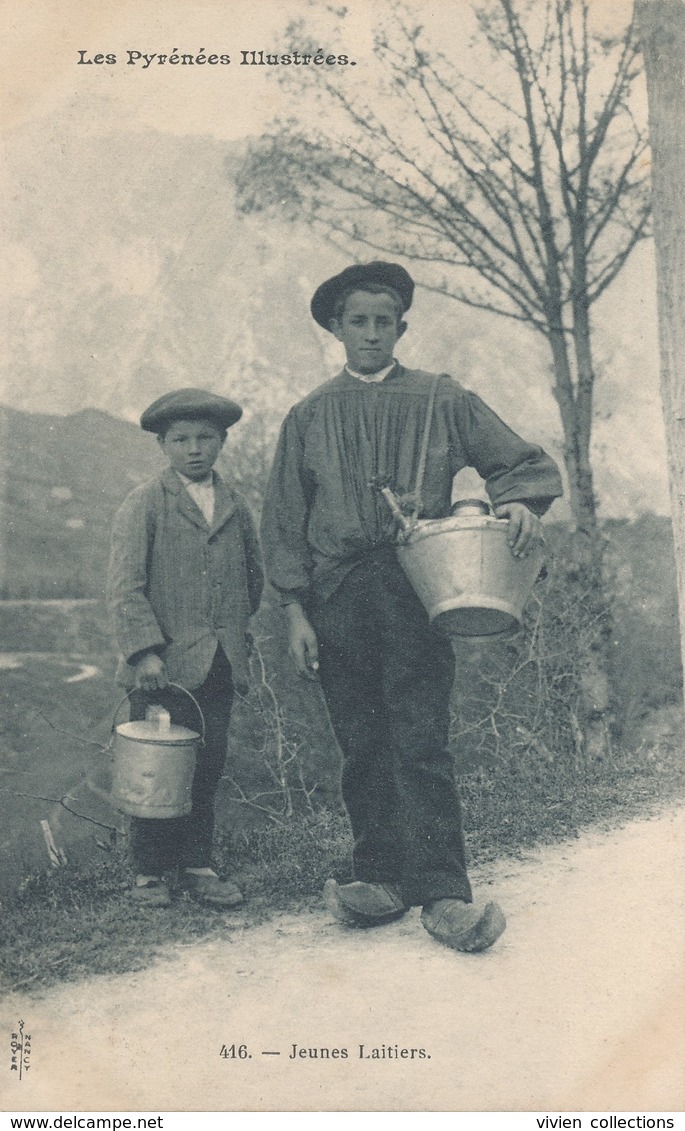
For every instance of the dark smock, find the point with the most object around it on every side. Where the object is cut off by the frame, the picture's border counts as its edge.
(386, 674)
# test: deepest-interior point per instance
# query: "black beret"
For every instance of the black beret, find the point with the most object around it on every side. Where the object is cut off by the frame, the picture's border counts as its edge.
(190, 404)
(385, 274)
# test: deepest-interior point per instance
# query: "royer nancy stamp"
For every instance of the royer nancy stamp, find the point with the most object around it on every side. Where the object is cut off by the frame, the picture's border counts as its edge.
(20, 1050)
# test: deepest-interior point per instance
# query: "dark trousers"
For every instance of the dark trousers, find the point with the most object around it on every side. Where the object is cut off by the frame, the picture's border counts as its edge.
(387, 678)
(159, 844)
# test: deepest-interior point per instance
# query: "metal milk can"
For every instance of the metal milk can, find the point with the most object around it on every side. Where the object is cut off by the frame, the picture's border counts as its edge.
(463, 571)
(154, 764)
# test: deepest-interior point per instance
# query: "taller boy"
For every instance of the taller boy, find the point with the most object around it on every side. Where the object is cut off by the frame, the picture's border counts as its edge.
(352, 614)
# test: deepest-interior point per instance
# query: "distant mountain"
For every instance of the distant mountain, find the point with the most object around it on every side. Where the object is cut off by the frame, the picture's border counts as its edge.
(130, 273)
(64, 477)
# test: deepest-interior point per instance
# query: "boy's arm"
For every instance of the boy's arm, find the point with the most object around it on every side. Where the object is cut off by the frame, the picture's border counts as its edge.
(135, 626)
(525, 529)
(302, 642)
(521, 479)
(285, 515)
(515, 471)
(150, 669)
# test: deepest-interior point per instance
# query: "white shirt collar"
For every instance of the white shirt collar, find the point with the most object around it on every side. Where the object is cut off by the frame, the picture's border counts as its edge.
(201, 493)
(372, 378)
(203, 484)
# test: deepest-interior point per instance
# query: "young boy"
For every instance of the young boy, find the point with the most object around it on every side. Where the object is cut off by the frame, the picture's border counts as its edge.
(354, 619)
(185, 576)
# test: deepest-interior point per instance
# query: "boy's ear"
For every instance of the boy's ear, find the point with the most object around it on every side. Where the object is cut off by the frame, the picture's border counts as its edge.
(401, 327)
(334, 326)
(160, 439)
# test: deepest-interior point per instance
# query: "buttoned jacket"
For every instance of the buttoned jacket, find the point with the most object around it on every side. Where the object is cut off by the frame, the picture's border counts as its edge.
(181, 586)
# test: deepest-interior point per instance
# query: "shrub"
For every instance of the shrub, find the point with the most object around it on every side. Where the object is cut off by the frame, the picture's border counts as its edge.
(519, 701)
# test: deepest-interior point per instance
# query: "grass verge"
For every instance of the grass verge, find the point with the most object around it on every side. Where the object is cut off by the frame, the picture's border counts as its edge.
(72, 923)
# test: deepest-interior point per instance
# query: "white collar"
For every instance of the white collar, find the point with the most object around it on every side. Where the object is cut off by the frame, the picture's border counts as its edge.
(202, 484)
(372, 378)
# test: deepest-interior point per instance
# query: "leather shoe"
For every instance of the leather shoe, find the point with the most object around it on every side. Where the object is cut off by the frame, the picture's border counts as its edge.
(463, 926)
(363, 905)
(208, 888)
(150, 891)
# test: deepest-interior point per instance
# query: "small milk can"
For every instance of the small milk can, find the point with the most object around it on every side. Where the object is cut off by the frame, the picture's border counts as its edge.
(154, 764)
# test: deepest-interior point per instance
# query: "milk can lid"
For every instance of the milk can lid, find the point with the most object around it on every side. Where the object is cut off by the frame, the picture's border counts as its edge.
(464, 507)
(147, 730)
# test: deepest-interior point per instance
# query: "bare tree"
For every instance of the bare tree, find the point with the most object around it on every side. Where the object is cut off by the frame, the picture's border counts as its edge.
(521, 192)
(662, 29)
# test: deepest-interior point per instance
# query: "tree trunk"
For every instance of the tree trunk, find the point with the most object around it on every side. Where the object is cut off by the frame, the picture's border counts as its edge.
(662, 29)
(595, 677)
(584, 566)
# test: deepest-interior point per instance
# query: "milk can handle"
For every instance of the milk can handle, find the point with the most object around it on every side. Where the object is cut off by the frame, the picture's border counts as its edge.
(169, 684)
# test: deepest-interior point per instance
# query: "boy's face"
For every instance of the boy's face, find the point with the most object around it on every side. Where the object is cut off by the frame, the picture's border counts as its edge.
(192, 447)
(368, 329)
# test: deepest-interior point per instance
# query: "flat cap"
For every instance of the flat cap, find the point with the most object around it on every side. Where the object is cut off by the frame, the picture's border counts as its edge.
(190, 404)
(385, 274)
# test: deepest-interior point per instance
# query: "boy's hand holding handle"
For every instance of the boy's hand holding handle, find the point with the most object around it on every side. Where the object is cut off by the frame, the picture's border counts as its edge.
(525, 528)
(151, 673)
(303, 647)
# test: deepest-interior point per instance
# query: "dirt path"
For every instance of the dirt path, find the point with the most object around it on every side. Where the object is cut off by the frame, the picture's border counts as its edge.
(578, 1007)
